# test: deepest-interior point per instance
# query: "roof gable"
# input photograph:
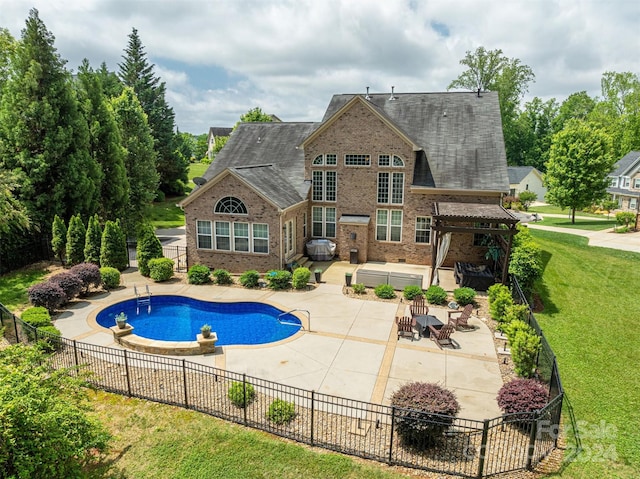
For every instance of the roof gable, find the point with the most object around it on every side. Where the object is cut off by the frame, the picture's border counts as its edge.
(519, 173)
(627, 165)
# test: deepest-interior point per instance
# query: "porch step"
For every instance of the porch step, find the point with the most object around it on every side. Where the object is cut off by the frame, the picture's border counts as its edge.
(302, 260)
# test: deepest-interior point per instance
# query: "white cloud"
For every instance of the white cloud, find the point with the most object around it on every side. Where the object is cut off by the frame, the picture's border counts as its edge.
(290, 56)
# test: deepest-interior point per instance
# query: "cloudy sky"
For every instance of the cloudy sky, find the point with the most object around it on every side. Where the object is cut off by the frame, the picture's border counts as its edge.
(220, 58)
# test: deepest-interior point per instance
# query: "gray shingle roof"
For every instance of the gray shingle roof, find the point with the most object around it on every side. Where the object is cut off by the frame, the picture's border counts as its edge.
(460, 132)
(267, 156)
(518, 173)
(625, 163)
(220, 131)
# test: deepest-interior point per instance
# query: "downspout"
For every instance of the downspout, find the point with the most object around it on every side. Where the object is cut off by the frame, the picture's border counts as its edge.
(280, 229)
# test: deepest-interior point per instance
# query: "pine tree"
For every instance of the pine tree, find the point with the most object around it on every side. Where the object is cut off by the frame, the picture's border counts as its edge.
(136, 72)
(140, 158)
(105, 143)
(113, 249)
(43, 133)
(59, 238)
(76, 235)
(92, 241)
(149, 247)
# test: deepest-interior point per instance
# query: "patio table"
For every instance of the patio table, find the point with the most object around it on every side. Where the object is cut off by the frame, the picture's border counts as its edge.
(423, 322)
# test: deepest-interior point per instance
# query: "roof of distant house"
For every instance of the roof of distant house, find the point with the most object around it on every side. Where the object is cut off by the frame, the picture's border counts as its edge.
(220, 131)
(624, 164)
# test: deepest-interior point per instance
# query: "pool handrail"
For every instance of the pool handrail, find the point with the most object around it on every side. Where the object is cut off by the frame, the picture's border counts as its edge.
(301, 311)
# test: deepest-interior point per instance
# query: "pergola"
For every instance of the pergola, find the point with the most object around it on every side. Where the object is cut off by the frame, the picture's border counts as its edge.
(463, 218)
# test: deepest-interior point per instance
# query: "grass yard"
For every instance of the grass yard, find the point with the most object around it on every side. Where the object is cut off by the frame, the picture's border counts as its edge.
(165, 214)
(551, 209)
(590, 319)
(595, 224)
(13, 287)
(158, 441)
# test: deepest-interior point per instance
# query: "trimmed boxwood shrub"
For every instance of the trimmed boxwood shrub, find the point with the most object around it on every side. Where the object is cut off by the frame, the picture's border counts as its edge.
(525, 347)
(199, 274)
(237, 396)
(411, 292)
(250, 279)
(522, 397)
(494, 290)
(426, 411)
(281, 411)
(436, 294)
(464, 295)
(48, 295)
(36, 316)
(222, 276)
(300, 278)
(89, 274)
(70, 283)
(515, 312)
(110, 277)
(161, 269)
(278, 279)
(499, 305)
(359, 288)
(385, 291)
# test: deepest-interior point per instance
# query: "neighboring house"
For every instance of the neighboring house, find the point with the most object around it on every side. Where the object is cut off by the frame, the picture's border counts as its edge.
(369, 176)
(625, 182)
(214, 132)
(525, 178)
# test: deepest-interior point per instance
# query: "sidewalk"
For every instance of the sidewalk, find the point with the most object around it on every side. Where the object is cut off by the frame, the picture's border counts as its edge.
(603, 239)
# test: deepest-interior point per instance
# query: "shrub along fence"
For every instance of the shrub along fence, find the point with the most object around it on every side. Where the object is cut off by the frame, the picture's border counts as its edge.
(469, 448)
(175, 252)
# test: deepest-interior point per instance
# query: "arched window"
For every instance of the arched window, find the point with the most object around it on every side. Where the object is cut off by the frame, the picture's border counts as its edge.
(231, 206)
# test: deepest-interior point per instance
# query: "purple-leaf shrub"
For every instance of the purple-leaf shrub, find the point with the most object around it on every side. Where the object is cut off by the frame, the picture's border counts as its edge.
(89, 273)
(48, 295)
(70, 283)
(522, 396)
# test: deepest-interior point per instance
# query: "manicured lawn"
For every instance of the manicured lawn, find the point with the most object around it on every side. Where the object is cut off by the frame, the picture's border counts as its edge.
(590, 315)
(13, 287)
(165, 214)
(596, 224)
(158, 441)
(559, 211)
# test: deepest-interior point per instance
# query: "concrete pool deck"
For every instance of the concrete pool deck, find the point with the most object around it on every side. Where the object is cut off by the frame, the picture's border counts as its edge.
(351, 349)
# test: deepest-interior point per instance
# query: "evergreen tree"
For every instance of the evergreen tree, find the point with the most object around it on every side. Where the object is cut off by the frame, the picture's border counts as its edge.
(136, 72)
(140, 158)
(105, 144)
(149, 247)
(59, 238)
(113, 249)
(76, 235)
(7, 47)
(43, 133)
(92, 241)
(111, 84)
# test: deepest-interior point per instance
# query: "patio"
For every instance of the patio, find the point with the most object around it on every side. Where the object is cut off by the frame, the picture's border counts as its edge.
(351, 351)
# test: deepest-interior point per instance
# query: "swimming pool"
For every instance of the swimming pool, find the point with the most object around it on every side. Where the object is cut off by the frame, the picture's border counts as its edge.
(178, 318)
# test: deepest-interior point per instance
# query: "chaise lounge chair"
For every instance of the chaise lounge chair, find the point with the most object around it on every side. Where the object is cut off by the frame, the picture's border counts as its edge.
(442, 336)
(461, 322)
(405, 326)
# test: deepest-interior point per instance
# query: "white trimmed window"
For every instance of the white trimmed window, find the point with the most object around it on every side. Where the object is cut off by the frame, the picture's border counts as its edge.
(329, 160)
(357, 160)
(324, 185)
(260, 238)
(223, 236)
(385, 160)
(397, 161)
(323, 222)
(204, 236)
(614, 181)
(423, 229)
(230, 205)
(636, 183)
(633, 203)
(390, 188)
(241, 237)
(318, 160)
(389, 225)
(626, 181)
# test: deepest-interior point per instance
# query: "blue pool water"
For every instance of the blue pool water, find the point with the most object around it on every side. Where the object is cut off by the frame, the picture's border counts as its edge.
(177, 318)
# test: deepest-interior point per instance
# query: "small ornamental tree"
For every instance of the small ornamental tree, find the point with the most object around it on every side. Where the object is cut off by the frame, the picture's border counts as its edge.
(423, 412)
(625, 218)
(59, 238)
(113, 250)
(75, 240)
(92, 242)
(89, 273)
(46, 431)
(526, 198)
(149, 247)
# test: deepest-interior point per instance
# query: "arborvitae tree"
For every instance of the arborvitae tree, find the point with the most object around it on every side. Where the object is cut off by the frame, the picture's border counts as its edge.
(93, 240)
(43, 133)
(136, 72)
(140, 158)
(149, 247)
(76, 235)
(105, 143)
(111, 84)
(59, 238)
(113, 250)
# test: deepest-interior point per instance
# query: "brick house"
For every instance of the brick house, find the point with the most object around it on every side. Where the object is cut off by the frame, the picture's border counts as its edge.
(369, 177)
(624, 184)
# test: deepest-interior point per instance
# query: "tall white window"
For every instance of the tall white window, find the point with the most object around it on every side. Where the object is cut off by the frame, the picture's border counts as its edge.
(223, 236)
(626, 181)
(390, 188)
(389, 225)
(636, 183)
(323, 222)
(633, 203)
(324, 185)
(260, 238)
(423, 229)
(241, 237)
(204, 236)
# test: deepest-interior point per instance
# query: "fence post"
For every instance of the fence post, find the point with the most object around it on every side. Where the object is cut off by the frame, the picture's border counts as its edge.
(483, 448)
(184, 380)
(532, 442)
(15, 326)
(393, 426)
(126, 370)
(244, 397)
(313, 394)
(75, 353)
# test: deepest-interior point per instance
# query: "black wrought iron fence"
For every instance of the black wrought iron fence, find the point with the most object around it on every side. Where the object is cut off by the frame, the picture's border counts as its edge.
(468, 448)
(26, 251)
(175, 252)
